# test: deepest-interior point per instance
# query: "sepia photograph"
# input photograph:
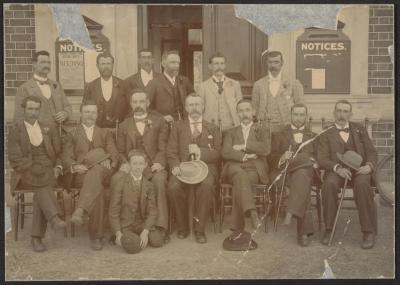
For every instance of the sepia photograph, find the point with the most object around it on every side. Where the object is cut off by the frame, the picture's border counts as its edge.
(199, 141)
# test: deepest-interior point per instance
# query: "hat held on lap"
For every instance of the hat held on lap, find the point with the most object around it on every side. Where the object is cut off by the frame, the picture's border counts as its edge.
(94, 157)
(351, 159)
(300, 161)
(130, 242)
(193, 172)
(38, 175)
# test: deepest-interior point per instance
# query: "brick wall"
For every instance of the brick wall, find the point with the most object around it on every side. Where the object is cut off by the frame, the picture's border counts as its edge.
(380, 68)
(19, 36)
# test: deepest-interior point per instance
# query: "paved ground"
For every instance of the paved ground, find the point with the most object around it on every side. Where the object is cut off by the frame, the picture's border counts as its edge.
(278, 256)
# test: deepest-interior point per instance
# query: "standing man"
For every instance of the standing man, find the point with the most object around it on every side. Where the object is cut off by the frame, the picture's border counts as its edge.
(149, 134)
(33, 151)
(55, 108)
(91, 181)
(220, 94)
(168, 92)
(144, 76)
(300, 171)
(108, 92)
(203, 139)
(348, 136)
(274, 94)
(245, 150)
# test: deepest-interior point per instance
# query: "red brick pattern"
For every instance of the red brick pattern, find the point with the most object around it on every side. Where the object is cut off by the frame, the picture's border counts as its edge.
(380, 68)
(19, 36)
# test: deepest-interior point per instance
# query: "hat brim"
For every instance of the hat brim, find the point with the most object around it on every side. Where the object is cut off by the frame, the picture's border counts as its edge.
(197, 179)
(302, 165)
(244, 245)
(340, 157)
(107, 155)
(46, 179)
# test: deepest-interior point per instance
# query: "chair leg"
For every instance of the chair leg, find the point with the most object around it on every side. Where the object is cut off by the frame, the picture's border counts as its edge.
(319, 209)
(214, 215)
(72, 210)
(170, 213)
(60, 198)
(15, 216)
(22, 210)
(221, 213)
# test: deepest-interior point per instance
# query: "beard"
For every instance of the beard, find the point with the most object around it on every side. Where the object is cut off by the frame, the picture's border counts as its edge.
(139, 109)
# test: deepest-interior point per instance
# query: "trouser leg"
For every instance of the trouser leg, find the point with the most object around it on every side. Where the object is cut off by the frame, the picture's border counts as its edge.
(330, 189)
(299, 184)
(178, 196)
(96, 218)
(204, 192)
(159, 181)
(305, 223)
(44, 208)
(364, 199)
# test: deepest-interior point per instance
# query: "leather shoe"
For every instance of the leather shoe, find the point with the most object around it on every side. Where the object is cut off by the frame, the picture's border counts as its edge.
(96, 244)
(368, 240)
(57, 223)
(77, 216)
(254, 218)
(183, 234)
(37, 244)
(167, 239)
(200, 237)
(303, 240)
(326, 237)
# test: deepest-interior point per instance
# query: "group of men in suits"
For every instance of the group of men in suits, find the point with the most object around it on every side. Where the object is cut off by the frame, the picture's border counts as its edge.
(161, 123)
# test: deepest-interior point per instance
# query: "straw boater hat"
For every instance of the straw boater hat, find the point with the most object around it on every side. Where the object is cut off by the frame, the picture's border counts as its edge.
(94, 157)
(350, 159)
(193, 172)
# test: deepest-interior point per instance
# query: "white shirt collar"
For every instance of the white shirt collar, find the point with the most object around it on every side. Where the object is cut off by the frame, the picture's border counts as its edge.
(37, 77)
(145, 73)
(277, 78)
(295, 128)
(109, 81)
(216, 79)
(171, 79)
(193, 121)
(339, 127)
(246, 126)
(34, 132)
(139, 117)
(136, 178)
(87, 128)
(35, 125)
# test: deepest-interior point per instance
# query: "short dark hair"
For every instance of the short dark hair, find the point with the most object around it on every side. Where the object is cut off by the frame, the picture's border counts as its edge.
(105, 54)
(274, 53)
(32, 99)
(137, 152)
(243, 101)
(168, 52)
(38, 53)
(87, 103)
(145, 50)
(299, 105)
(194, 95)
(137, 90)
(343, 101)
(215, 55)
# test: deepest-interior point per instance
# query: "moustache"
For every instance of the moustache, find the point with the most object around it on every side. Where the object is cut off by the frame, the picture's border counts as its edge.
(195, 112)
(139, 109)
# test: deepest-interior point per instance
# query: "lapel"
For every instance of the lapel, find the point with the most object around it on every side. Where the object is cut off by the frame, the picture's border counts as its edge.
(181, 89)
(98, 91)
(96, 136)
(115, 88)
(132, 130)
(239, 136)
(46, 140)
(143, 196)
(188, 132)
(33, 85)
(24, 137)
(356, 138)
(335, 137)
(168, 85)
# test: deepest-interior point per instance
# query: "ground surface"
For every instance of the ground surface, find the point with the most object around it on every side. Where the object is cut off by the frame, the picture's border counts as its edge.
(277, 256)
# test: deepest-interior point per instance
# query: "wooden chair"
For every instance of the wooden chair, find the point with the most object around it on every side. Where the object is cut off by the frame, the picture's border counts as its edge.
(261, 196)
(19, 210)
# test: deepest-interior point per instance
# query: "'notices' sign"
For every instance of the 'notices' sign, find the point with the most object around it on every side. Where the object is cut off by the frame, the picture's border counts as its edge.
(71, 65)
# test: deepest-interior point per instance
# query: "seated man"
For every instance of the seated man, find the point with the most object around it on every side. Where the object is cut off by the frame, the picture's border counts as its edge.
(244, 150)
(203, 139)
(149, 133)
(348, 136)
(33, 151)
(133, 209)
(85, 137)
(300, 170)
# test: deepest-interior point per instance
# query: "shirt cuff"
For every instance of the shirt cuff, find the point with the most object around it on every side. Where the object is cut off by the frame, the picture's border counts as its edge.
(370, 165)
(336, 166)
(59, 166)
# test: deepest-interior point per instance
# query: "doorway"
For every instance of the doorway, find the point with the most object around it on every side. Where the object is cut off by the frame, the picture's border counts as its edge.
(177, 27)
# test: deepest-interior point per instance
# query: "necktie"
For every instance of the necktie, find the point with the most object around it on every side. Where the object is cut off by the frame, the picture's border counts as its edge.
(220, 85)
(345, 130)
(196, 131)
(140, 120)
(297, 131)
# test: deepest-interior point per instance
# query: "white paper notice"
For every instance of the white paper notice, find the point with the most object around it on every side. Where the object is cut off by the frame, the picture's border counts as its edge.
(318, 78)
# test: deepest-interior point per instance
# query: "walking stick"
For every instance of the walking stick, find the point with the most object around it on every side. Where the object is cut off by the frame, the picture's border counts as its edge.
(337, 212)
(116, 130)
(60, 129)
(281, 194)
(192, 200)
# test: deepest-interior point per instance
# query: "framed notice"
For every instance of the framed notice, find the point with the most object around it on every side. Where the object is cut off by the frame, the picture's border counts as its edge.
(71, 70)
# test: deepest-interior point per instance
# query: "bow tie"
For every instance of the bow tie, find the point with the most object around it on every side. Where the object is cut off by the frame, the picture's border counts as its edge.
(345, 130)
(220, 86)
(42, 82)
(297, 131)
(196, 123)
